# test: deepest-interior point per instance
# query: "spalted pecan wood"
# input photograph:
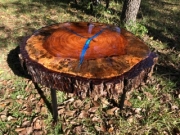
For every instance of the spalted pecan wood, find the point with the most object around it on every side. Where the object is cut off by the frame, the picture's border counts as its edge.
(87, 59)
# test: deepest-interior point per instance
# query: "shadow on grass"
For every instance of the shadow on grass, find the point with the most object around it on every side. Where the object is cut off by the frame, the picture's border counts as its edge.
(163, 21)
(15, 65)
(162, 24)
(168, 70)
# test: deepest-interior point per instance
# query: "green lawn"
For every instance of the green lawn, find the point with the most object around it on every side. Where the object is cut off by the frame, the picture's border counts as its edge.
(152, 109)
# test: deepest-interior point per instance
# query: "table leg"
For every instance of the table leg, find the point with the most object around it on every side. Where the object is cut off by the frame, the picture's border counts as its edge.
(123, 96)
(54, 105)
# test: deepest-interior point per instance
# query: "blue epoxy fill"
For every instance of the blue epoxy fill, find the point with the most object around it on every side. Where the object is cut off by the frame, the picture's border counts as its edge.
(86, 46)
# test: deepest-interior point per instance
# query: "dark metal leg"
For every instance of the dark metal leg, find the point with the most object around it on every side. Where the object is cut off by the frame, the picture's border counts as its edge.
(107, 4)
(54, 105)
(123, 96)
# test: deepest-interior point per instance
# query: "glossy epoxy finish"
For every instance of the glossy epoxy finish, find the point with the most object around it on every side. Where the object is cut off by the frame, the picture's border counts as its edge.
(110, 54)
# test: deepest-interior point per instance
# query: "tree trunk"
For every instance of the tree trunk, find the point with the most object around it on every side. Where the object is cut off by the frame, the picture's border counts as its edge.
(129, 11)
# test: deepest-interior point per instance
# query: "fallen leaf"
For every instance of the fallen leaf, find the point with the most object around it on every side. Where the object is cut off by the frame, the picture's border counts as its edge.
(70, 113)
(37, 125)
(95, 103)
(97, 128)
(26, 112)
(138, 97)
(3, 117)
(174, 107)
(67, 106)
(20, 96)
(93, 109)
(111, 129)
(28, 86)
(23, 132)
(38, 108)
(103, 128)
(9, 118)
(61, 111)
(112, 111)
(110, 122)
(138, 110)
(60, 106)
(96, 119)
(4, 103)
(67, 132)
(77, 103)
(38, 133)
(69, 95)
(83, 114)
(127, 103)
(165, 133)
(41, 102)
(104, 102)
(138, 116)
(87, 106)
(29, 130)
(31, 98)
(69, 100)
(130, 119)
(148, 95)
(19, 129)
(20, 101)
(26, 124)
(78, 130)
(73, 122)
(44, 110)
(95, 98)
(37, 96)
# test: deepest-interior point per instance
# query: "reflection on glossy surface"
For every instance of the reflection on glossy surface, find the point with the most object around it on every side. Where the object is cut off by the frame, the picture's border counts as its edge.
(68, 42)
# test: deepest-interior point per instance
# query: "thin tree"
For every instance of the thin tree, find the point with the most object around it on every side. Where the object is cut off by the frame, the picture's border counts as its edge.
(129, 11)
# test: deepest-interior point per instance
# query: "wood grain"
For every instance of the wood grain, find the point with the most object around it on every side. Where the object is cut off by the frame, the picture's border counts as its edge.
(114, 63)
(58, 48)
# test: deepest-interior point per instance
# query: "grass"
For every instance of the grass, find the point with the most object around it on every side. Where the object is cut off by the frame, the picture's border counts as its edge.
(154, 107)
